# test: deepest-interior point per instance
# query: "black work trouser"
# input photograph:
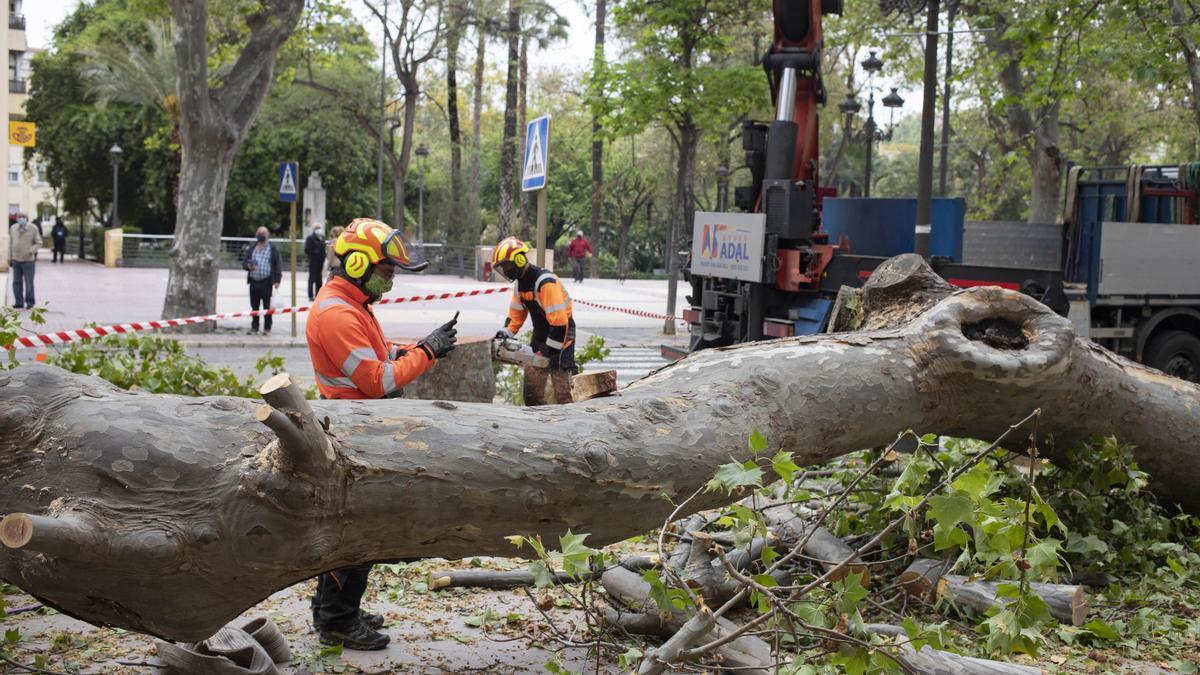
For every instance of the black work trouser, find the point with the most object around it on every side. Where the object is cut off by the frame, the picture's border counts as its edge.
(60, 251)
(260, 293)
(314, 280)
(336, 603)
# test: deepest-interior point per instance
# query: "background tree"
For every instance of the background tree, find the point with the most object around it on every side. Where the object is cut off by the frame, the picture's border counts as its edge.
(216, 109)
(508, 144)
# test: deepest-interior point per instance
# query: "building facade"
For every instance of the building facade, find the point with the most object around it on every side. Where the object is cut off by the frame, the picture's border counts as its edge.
(22, 190)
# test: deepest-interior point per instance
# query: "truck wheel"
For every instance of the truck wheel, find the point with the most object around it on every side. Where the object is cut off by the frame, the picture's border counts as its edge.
(1176, 353)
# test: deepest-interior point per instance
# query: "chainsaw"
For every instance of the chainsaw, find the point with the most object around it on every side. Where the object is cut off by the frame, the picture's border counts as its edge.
(517, 353)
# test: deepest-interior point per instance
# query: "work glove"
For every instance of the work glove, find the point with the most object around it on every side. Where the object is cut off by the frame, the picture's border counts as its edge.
(441, 341)
(503, 334)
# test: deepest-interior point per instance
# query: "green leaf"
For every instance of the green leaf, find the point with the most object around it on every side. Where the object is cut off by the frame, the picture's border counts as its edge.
(757, 443)
(979, 482)
(12, 636)
(1085, 545)
(541, 574)
(852, 592)
(784, 466)
(950, 510)
(948, 537)
(1102, 630)
(629, 658)
(1043, 555)
(575, 554)
(330, 651)
(731, 476)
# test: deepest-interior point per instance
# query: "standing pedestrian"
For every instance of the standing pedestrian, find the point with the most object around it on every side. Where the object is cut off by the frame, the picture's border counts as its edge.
(59, 235)
(314, 250)
(264, 271)
(579, 250)
(332, 261)
(23, 245)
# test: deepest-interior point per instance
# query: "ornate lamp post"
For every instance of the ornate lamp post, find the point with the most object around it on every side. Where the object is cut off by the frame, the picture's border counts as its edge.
(870, 132)
(422, 152)
(115, 152)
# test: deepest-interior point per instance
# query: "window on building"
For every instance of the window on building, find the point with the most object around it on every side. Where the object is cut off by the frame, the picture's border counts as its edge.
(14, 6)
(41, 174)
(14, 66)
(14, 173)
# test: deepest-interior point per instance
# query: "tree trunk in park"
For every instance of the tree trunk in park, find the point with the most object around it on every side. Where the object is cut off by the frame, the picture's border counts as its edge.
(1039, 124)
(688, 135)
(213, 123)
(522, 94)
(508, 144)
(597, 142)
(1191, 54)
(476, 132)
(171, 515)
(927, 579)
(454, 32)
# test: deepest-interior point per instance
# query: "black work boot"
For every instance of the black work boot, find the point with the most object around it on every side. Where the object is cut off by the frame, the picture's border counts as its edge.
(372, 620)
(358, 636)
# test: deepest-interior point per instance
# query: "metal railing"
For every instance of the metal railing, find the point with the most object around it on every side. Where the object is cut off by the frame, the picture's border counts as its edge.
(16, 86)
(16, 21)
(154, 250)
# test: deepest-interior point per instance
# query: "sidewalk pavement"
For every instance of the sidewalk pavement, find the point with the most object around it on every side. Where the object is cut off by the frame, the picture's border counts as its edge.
(77, 294)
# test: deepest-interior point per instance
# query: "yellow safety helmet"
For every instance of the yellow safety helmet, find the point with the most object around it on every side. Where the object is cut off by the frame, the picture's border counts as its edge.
(366, 242)
(509, 257)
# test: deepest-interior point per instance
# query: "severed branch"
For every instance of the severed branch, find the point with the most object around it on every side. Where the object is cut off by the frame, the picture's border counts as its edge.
(930, 660)
(303, 445)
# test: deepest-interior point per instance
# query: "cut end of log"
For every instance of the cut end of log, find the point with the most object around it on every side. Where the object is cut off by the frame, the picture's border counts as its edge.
(1079, 607)
(262, 413)
(437, 582)
(591, 385)
(16, 529)
(277, 382)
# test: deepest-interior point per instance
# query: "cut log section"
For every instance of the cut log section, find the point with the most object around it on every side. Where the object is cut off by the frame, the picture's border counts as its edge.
(823, 546)
(924, 579)
(591, 385)
(930, 661)
(631, 590)
(192, 511)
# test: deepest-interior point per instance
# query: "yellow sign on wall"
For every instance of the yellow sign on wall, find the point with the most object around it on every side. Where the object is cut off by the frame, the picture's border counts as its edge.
(22, 133)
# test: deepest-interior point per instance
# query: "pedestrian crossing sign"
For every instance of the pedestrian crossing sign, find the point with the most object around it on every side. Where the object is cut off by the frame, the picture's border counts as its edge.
(537, 154)
(288, 172)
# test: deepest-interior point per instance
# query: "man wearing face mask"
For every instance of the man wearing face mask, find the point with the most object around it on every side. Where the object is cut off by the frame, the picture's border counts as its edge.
(23, 244)
(264, 271)
(354, 360)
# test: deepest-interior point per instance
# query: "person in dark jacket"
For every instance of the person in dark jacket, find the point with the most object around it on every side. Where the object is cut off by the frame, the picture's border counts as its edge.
(314, 250)
(264, 271)
(59, 235)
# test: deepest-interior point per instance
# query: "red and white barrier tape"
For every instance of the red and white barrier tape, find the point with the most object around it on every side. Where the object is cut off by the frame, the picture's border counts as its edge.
(625, 310)
(63, 337)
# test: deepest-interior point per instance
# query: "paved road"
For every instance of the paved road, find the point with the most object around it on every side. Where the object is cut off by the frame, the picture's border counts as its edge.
(80, 293)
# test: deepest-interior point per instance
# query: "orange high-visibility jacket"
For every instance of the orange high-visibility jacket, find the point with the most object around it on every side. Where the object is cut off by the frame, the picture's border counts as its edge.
(349, 352)
(540, 295)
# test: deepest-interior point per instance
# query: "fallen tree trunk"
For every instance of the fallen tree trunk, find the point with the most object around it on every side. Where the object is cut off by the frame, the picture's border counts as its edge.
(171, 515)
(924, 578)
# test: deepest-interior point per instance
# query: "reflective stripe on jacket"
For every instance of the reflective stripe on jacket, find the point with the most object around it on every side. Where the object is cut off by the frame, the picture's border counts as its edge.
(349, 352)
(539, 295)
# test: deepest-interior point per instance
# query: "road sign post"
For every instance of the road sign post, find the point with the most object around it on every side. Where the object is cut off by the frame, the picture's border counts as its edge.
(534, 174)
(289, 177)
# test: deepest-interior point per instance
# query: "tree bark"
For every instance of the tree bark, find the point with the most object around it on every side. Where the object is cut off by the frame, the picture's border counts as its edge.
(597, 142)
(171, 515)
(522, 94)
(930, 661)
(925, 578)
(213, 121)
(682, 212)
(1190, 53)
(508, 144)
(477, 132)
(1039, 124)
(454, 32)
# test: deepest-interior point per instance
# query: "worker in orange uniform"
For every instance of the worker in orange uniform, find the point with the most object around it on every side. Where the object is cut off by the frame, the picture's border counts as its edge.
(353, 359)
(539, 295)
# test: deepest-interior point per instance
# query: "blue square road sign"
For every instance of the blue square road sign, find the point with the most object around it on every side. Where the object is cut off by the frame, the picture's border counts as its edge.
(537, 154)
(289, 177)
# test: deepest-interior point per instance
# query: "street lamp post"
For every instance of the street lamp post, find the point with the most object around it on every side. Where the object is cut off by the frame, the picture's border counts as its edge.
(115, 152)
(870, 131)
(422, 153)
